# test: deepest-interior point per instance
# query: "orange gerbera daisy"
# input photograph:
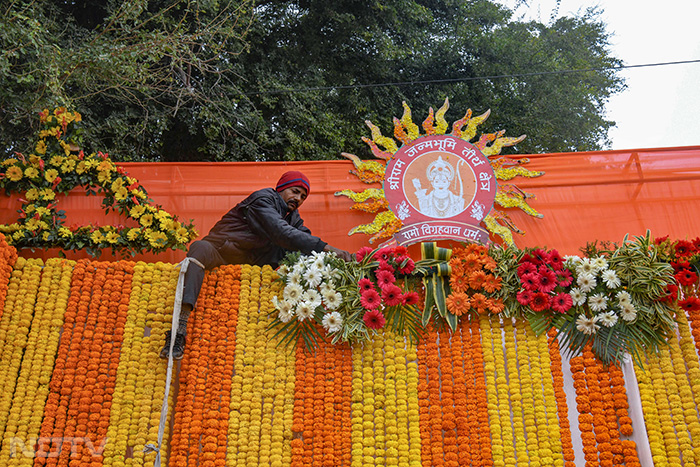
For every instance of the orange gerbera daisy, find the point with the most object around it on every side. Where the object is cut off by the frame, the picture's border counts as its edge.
(459, 283)
(471, 263)
(477, 279)
(492, 283)
(458, 303)
(479, 303)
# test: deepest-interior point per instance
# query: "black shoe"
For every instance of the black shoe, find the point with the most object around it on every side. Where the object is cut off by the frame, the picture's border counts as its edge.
(178, 346)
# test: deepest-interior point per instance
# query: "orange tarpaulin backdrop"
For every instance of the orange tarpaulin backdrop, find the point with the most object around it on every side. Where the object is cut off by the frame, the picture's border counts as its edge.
(583, 196)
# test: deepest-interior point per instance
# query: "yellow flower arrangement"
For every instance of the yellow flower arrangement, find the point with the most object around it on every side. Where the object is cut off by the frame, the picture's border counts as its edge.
(62, 168)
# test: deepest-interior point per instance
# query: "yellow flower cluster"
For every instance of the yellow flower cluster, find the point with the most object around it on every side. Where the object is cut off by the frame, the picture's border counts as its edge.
(140, 381)
(64, 167)
(31, 390)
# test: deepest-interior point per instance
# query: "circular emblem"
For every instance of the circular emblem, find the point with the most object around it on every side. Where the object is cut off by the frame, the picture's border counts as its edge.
(440, 181)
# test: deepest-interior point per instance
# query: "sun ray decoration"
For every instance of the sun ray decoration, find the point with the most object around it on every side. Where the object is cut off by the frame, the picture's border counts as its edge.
(372, 200)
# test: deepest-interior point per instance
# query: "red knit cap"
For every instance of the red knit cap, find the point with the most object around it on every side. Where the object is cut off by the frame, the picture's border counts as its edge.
(293, 178)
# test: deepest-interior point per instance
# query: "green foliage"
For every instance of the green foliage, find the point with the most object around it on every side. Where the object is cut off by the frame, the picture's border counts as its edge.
(295, 80)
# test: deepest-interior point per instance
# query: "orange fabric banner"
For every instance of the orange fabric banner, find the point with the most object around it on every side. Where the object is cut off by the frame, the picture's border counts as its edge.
(584, 196)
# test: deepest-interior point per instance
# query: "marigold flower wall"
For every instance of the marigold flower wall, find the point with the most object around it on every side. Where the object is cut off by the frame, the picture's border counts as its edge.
(81, 383)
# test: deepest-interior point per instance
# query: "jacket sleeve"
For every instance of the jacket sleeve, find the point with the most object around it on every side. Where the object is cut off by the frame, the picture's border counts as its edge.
(265, 220)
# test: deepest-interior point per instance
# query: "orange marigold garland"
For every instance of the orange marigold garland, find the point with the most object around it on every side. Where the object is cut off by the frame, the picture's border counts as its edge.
(583, 406)
(560, 395)
(8, 257)
(427, 357)
(620, 406)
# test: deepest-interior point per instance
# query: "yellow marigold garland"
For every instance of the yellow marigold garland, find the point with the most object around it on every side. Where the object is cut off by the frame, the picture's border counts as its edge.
(652, 419)
(514, 391)
(14, 331)
(490, 373)
(690, 391)
(32, 388)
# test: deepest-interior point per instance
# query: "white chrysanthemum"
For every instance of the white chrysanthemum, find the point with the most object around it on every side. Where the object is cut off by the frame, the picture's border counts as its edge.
(585, 266)
(332, 300)
(327, 272)
(319, 263)
(600, 263)
(292, 293)
(298, 267)
(610, 278)
(285, 306)
(327, 287)
(313, 276)
(586, 281)
(294, 278)
(312, 296)
(578, 297)
(304, 310)
(598, 302)
(285, 316)
(586, 325)
(607, 319)
(283, 270)
(571, 261)
(628, 312)
(333, 322)
(624, 298)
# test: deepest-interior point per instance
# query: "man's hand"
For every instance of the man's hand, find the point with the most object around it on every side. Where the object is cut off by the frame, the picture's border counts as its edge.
(341, 253)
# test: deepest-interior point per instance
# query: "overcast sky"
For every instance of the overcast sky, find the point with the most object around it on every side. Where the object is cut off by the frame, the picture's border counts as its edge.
(661, 105)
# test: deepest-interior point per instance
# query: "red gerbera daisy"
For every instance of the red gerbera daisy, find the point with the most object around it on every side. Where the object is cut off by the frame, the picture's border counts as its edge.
(541, 255)
(524, 297)
(547, 279)
(362, 252)
(564, 278)
(374, 319)
(684, 248)
(671, 292)
(406, 265)
(686, 277)
(400, 250)
(370, 299)
(392, 295)
(562, 302)
(539, 302)
(526, 268)
(365, 284)
(384, 278)
(555, 260)
(411, 298)
(530, 282)
(690, 304)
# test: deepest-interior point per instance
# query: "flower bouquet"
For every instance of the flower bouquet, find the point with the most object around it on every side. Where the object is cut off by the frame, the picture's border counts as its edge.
(612, 299)
(324, 297)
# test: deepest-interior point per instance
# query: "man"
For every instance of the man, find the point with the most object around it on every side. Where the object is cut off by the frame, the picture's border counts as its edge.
(260, 230)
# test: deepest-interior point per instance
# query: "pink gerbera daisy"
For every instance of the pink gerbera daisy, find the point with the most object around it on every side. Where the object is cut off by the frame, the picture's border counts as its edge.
(384, 278)
(411, 298)
(370, 299)
(374, 319)
(362, 252)
(392, 295)
(365, 284)
(562, 302)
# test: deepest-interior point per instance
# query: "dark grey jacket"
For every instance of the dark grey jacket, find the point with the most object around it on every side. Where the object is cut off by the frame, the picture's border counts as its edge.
(259, 230)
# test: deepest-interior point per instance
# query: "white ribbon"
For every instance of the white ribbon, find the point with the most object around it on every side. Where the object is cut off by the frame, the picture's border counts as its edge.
(177, 306)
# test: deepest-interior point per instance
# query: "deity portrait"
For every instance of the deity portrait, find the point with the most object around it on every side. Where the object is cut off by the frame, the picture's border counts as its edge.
(440, 202)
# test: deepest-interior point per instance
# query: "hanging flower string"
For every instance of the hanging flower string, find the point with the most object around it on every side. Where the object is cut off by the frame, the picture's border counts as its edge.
(562, 405)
